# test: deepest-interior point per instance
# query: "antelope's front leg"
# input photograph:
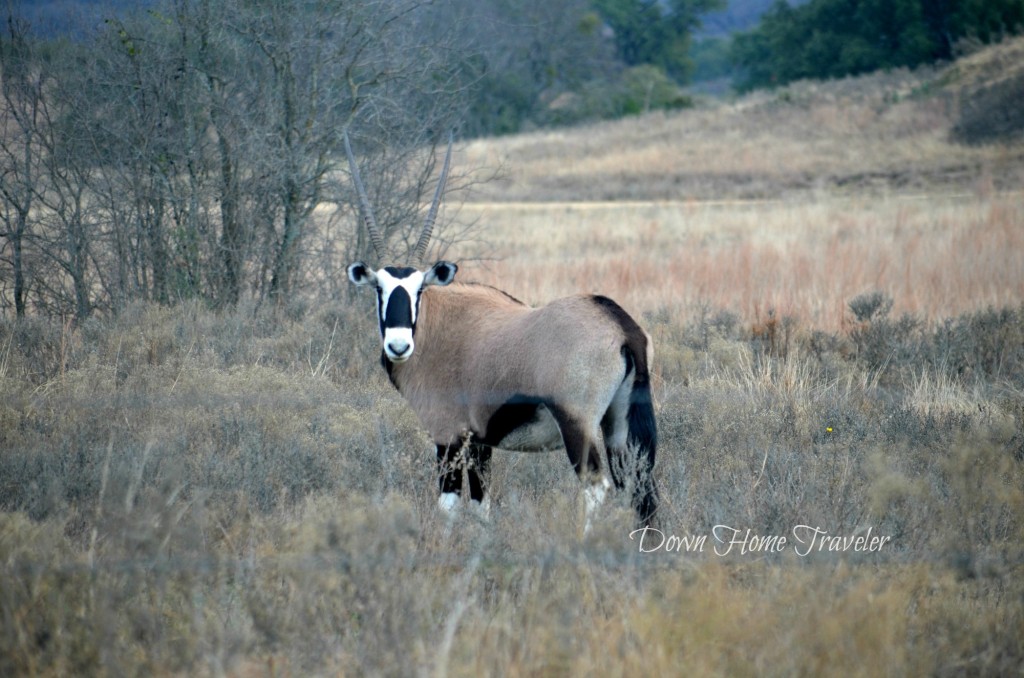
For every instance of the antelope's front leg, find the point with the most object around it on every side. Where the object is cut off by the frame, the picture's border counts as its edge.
(449, 473)
(475, 459)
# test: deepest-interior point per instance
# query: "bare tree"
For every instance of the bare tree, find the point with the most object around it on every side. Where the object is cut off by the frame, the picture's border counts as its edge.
(349, 65)
(23, 81)
(187, 154)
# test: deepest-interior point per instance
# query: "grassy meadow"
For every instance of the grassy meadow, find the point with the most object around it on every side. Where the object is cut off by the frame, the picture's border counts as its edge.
(836, 295)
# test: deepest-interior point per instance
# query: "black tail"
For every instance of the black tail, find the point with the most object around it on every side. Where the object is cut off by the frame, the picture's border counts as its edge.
(643, 437)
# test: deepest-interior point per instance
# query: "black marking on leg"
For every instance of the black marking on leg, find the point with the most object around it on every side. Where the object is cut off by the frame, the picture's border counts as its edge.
(616, 465)
(578, 445)
(614, 457)
(479, 471)
(593, 460)
(449, 468)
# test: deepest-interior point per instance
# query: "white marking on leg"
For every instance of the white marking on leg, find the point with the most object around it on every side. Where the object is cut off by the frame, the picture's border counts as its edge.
(449, 502)
(593, 497)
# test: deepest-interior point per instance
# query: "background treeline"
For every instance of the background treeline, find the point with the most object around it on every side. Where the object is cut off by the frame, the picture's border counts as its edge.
(179, 149)
(548, 63)
(834, 38)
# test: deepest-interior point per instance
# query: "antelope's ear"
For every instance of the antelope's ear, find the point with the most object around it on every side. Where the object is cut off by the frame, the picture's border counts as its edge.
(441, 273)
(361, 274)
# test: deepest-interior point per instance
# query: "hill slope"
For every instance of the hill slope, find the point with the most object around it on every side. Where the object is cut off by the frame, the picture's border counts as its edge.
(882, 132)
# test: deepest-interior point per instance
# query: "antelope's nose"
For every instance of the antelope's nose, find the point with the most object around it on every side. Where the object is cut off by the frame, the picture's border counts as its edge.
(399, 348)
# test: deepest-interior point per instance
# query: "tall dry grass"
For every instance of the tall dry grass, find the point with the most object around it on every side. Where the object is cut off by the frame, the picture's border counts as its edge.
(886, 133)
(935, 257)
(187, 492)
(793, 201)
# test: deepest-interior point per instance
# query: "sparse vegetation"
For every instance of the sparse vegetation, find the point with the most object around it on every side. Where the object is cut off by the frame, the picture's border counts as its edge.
(241, 492)
(192, 492)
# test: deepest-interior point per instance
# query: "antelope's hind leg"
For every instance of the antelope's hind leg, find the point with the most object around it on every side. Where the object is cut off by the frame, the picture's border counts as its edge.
(478, 470)
(585, 448)
(615, 431)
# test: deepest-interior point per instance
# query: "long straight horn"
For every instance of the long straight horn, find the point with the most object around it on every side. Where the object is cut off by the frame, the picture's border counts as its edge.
(364, 203)
(428, 226)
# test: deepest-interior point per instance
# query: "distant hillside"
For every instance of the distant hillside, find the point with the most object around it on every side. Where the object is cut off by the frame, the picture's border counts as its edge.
(890, 132)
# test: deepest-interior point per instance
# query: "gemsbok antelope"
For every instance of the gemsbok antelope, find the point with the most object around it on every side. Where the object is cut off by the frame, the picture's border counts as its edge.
(483, 370)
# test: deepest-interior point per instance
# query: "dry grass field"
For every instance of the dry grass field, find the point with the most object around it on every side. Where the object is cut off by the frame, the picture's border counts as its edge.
(836, 294)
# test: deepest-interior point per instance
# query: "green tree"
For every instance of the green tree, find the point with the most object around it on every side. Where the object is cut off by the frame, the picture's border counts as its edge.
(833, 38)
(525, 55)
(949, 21)
(654, 32)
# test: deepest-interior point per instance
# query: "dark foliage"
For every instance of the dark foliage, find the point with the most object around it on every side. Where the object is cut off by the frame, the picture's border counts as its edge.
(992, 112)
(835, 38)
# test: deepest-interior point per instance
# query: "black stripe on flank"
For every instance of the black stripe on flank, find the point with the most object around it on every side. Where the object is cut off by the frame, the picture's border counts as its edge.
(515, 412)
